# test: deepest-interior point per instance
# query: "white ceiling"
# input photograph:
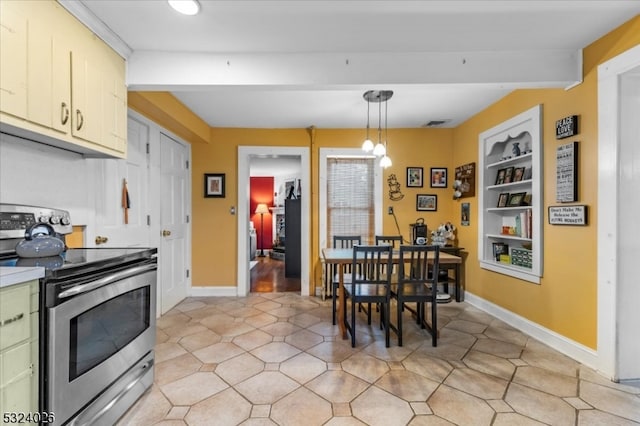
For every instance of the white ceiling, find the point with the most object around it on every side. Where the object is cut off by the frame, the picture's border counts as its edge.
(279, 64)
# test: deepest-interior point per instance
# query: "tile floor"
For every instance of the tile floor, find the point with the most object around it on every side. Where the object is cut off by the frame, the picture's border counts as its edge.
(276, 359)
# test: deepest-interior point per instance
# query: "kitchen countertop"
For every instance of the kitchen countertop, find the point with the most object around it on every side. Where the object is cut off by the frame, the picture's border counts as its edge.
(10, 275)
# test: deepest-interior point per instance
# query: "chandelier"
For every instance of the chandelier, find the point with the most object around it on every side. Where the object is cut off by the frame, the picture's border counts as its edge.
(380, 148)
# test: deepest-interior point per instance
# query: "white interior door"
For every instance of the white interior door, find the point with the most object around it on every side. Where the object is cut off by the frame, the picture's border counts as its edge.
(174, 217)
(110, 229)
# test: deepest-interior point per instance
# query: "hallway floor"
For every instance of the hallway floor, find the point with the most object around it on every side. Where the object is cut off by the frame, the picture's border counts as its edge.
(276, 359)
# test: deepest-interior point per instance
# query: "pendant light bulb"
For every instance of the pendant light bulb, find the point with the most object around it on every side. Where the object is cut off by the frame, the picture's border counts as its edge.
(385, 162)
(379, 150)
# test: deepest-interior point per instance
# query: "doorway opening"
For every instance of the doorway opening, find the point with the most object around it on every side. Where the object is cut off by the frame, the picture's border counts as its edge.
(247, 155)
(275, 231)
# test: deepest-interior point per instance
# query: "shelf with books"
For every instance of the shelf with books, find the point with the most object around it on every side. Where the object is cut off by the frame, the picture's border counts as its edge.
(510, 183)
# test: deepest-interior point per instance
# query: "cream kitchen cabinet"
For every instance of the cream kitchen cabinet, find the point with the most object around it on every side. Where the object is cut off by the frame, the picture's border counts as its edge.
(19, 348)
(60, 84)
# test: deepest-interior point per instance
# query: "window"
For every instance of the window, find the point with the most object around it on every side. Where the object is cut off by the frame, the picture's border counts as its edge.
(350, 195)
(350, 204)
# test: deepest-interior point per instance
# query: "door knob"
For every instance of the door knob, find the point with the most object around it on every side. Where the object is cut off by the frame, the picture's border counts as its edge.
(166, 233)
(101, 240)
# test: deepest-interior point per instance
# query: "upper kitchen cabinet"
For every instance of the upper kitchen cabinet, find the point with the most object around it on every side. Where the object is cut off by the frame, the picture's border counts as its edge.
(61, 84)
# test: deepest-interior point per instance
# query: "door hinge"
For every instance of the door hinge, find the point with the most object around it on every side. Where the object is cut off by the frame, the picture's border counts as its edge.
(148, 147)
(187, 218)
(148, 220)
(187, 273)
(187, 164)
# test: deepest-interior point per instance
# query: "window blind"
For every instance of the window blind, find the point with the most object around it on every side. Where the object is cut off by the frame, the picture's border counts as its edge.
(350, 198)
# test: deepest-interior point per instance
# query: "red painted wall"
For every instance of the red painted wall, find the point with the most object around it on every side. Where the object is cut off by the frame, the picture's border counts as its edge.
(261, 191)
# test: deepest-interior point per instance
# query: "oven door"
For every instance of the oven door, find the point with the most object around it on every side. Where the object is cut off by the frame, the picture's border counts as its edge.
(97, 336)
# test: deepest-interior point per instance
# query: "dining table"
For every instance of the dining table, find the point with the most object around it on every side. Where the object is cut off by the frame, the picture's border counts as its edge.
(344, 256)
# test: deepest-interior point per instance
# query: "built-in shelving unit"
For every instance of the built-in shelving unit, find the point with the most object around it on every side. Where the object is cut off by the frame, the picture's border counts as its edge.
(511, 207)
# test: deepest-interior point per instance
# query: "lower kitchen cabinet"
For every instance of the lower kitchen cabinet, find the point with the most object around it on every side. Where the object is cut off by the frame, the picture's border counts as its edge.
(19, 350)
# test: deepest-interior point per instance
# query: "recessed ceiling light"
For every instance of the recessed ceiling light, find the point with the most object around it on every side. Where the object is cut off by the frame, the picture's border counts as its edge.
(186, 7)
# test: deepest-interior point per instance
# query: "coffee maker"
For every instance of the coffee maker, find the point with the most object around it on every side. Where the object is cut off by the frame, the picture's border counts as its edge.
(419, 232)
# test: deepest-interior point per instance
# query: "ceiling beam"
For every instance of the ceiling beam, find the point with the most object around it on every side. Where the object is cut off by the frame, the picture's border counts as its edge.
(151, 70)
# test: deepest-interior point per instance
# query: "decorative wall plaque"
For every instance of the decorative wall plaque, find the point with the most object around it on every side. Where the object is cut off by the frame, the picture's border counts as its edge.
(567, 173)
(568, 215)
(466, 174)
(567, 127)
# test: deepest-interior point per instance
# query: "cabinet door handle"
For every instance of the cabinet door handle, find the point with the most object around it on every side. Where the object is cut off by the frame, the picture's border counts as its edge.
(79, 119)
(64, 113)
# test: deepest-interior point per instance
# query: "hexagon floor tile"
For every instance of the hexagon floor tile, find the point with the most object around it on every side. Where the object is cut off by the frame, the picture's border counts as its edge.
(276, 359)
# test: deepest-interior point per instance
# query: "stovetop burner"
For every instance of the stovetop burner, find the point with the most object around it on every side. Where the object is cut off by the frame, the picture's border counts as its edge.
(80, 258)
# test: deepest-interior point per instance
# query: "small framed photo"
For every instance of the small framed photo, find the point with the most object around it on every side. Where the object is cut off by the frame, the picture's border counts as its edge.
(518, 174)
(214, 185)
(465, 213)
(527, 174)
(508, 175)
(414, 177)
(516, 199)
(427, 202)
(438, 177)
(503, 199)
(500, 177)
(499, 249)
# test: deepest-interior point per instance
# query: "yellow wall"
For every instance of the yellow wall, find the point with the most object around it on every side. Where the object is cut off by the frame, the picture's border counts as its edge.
(565, 302)
(215, 264)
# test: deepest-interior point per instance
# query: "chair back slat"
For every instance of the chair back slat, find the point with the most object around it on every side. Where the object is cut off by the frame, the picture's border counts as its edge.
(415, 266)
(389, 239)
(346, 241)
(374, 263)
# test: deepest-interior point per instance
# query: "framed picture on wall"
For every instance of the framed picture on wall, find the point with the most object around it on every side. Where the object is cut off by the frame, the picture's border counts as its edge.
(427, 202)
(438, 177)
(414, 177)
(214, 185)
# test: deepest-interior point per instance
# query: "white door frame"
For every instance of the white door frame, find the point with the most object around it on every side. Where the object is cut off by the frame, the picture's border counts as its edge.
(609, 204)
(245, 153)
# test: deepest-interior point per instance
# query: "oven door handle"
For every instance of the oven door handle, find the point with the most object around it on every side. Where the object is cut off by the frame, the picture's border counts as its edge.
(117, 276)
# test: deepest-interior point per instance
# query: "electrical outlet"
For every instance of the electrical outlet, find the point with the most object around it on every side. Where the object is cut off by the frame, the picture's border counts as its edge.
(390, 210)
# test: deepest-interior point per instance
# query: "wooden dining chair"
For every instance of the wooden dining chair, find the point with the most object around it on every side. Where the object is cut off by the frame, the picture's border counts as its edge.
(416, 284)
(389, 239)
(371, 285)
(345, 242)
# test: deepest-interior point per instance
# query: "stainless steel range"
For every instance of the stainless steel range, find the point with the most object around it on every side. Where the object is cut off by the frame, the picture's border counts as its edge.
(97, 320)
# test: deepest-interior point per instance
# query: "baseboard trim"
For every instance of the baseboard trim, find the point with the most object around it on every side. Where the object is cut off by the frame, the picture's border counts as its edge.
(568, 347)
(213, 291)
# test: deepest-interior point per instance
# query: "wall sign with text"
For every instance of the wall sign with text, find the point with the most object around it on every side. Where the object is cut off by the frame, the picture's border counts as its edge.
(466, 174)
(568, 215)
(567, 173)
(567, 127)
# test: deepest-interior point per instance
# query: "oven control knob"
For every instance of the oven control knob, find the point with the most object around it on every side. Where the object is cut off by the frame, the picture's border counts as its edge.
(65, 220)
(43, 219)
(54, 220)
